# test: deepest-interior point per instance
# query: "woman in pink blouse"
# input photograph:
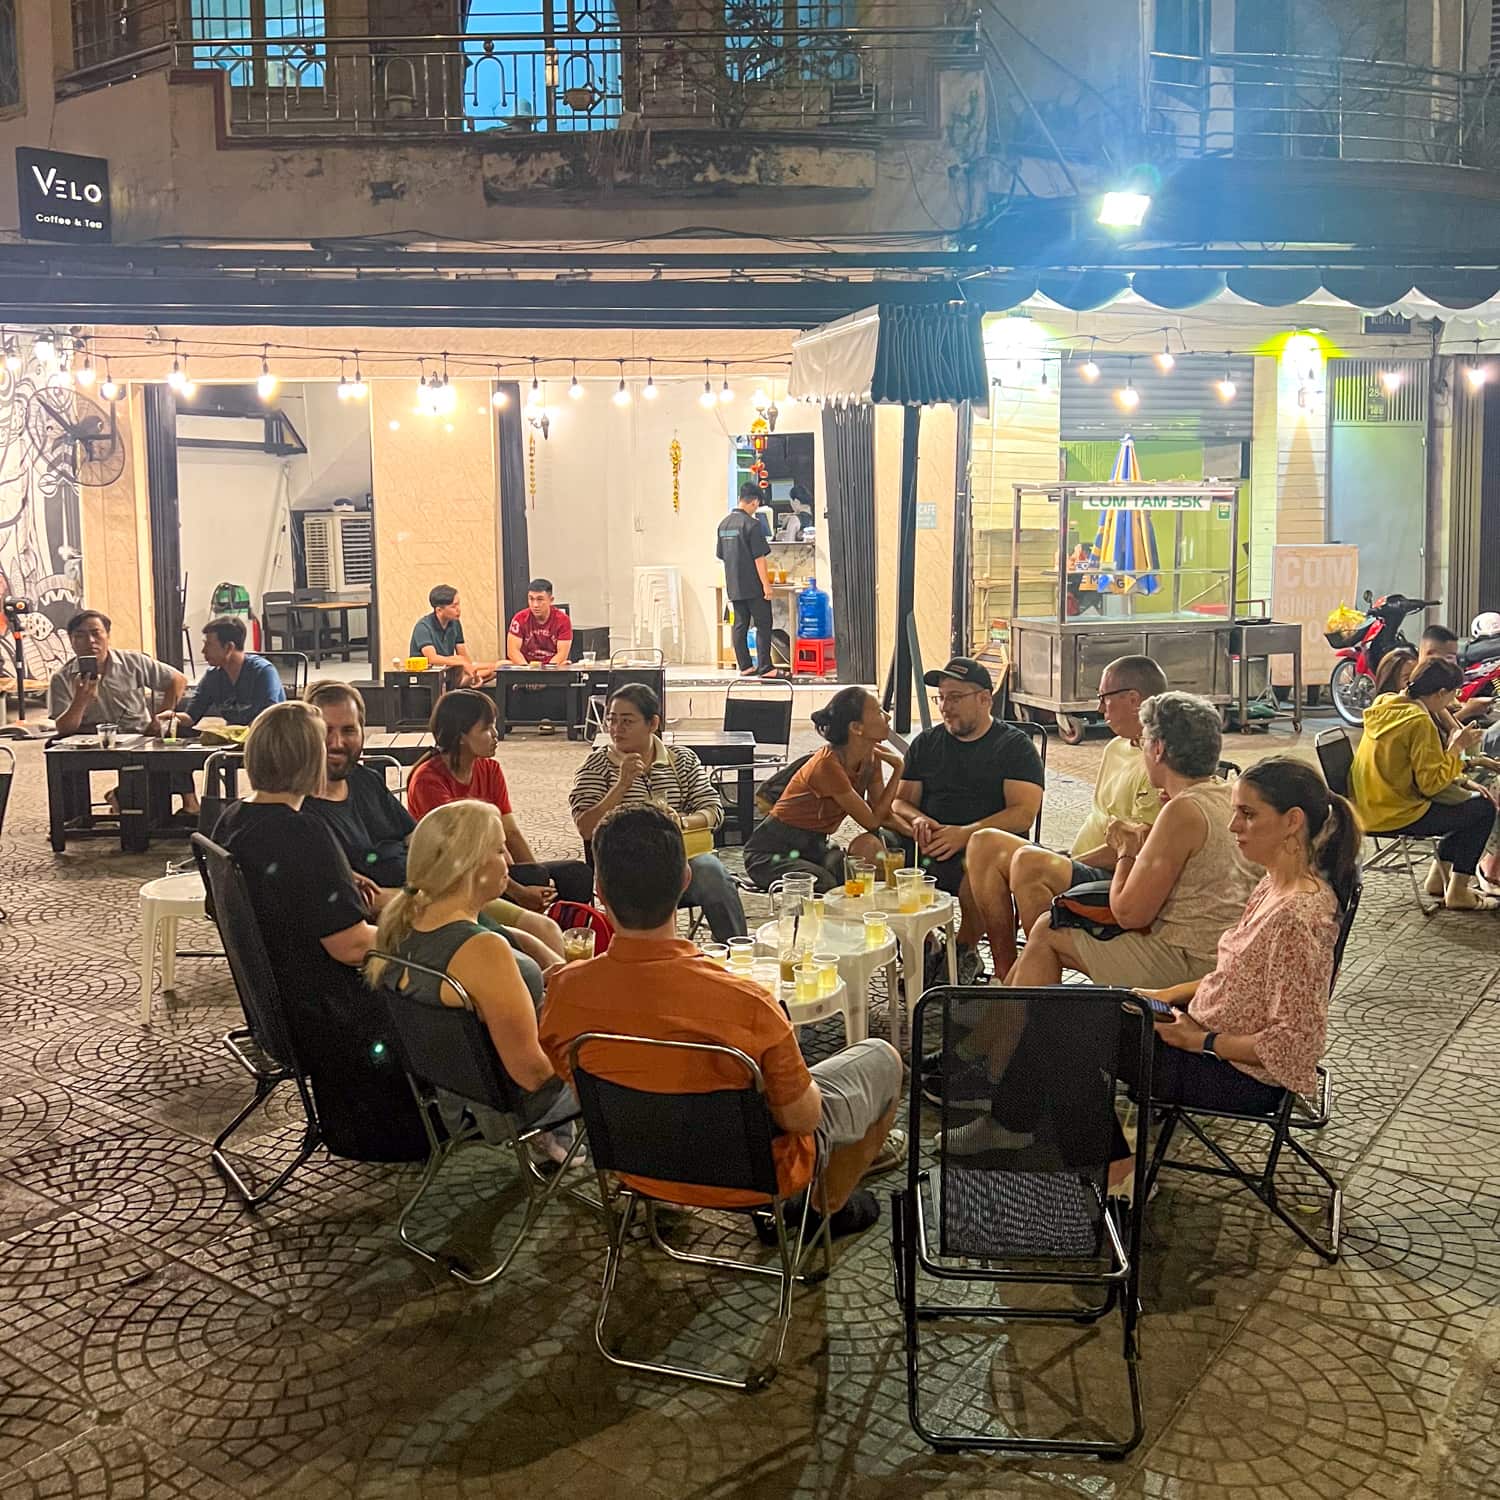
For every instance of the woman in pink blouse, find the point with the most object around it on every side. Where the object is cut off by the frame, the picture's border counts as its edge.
(1256, 1025)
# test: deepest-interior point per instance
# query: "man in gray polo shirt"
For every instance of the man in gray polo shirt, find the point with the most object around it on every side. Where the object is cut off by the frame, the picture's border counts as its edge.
(128, 688)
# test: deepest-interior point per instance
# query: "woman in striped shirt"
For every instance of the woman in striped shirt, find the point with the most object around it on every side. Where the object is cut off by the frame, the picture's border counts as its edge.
(636, 769)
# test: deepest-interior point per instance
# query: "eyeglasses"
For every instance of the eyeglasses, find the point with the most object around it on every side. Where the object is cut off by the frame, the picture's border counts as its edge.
(612, 722)
(1104, 697)
(946, 700)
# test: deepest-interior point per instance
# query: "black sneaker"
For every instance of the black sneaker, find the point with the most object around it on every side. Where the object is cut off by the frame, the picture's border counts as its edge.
(970, 965)
(860, 1212)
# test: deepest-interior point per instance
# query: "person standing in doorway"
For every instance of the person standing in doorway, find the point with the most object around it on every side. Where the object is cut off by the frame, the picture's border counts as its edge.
(743, 549)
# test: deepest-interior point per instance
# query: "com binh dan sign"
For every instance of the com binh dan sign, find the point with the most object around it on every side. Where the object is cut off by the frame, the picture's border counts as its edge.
(62, 196)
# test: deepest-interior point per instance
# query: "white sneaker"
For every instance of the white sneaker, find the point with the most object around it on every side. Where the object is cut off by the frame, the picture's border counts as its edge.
(981, 1135)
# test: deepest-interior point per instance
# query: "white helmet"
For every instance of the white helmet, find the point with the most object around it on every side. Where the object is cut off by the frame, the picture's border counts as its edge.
(1486, 624)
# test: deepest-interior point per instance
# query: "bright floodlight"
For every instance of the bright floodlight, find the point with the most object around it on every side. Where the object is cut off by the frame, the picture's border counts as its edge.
(1124, 210)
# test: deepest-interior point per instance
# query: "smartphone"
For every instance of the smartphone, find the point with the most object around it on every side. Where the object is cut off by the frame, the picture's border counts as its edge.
(1160, 1010)
(88, 666)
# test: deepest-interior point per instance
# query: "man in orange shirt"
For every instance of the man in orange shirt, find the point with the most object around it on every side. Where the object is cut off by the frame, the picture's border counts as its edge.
(651, 983)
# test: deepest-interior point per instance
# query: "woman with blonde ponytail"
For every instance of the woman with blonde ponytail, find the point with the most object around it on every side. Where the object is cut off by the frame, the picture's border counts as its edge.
(455, 864)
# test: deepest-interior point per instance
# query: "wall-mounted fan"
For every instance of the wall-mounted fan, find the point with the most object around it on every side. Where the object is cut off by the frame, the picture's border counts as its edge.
(75, 437)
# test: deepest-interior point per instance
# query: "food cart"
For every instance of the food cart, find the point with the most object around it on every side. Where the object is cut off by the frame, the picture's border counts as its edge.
(1098, 571)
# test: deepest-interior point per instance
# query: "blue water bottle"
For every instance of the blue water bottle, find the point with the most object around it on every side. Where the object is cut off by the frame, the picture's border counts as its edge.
(814, 613)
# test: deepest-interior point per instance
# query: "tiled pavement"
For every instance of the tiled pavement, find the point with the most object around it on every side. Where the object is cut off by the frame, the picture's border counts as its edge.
(159, 1342)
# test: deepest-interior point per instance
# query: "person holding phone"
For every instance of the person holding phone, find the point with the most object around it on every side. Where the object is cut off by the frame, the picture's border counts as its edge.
(101, 685)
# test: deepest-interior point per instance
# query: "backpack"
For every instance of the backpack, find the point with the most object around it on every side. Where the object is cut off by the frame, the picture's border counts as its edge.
(768, 793)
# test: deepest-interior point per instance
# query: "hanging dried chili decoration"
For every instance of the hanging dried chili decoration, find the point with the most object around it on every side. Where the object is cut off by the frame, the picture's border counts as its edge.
(675, 454)
(531, 467)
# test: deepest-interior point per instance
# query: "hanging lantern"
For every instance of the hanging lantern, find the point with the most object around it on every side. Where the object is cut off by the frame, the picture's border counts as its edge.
(674, 452)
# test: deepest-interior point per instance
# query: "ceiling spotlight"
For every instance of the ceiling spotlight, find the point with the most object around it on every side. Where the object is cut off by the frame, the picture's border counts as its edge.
(1391, 379)
(266, 383)
(1476, 374)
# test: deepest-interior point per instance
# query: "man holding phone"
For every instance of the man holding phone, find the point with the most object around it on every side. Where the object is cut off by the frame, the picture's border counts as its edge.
(103, 686)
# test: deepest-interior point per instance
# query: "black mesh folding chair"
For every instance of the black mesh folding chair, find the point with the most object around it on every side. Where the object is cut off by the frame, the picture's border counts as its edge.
(449, 1058)
(646, 665)
(7, 780)
(1018, 1192)
(1336, 758)
(720, 1139)
(1292, 1114)
(291, 668)
(1228, 771)
(263, 1047)
(1038, 734)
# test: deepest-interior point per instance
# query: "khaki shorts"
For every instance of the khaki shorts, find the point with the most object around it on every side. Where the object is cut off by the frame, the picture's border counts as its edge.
(506, 913)
(1137, 960)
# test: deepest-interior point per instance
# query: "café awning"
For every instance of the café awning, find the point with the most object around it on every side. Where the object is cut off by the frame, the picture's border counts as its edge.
(894, 355)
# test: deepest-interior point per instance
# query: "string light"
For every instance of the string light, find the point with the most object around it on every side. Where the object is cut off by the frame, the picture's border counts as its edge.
(760, 400)
(1128, 397)
(499, 397)
(86, 375)
(266, 383)
(534, 395)
(1226, 389)
(725, 394)
(1476, 374)
(1089, 369)
(707, 399)
(649, 391)
(1166, 361)
(107, 388)
(622, 392)
(189, 387)
(575, 389)
(44, 349)
(358, 390)
(12, 357)
(175, 378)
(1391, 379)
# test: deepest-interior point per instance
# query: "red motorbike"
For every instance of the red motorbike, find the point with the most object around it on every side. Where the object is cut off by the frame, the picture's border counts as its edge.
(1360, 651)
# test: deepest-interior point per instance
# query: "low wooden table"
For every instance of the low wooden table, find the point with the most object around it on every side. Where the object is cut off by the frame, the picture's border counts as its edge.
(145, 766)
(572, 681)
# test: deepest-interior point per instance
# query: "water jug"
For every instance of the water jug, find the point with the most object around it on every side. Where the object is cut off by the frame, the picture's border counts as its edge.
(814, 613)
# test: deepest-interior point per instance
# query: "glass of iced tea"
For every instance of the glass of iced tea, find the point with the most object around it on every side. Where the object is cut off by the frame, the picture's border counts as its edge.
(578, 942)
(877, 929)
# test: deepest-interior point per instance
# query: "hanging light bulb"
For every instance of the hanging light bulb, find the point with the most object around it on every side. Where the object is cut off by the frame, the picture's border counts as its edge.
(575, 389)
(1476, 374)
(358, 390)
(44, 349)
(760, 400)
(725, 394)
(499, 399)
(1226, 389)
(649, 391)
(534, 395)
(107, 387)
(85, 376)
(622, 392)
(266, 383)
(175, 378)
(343, 385)
(12, 357)
(1166, 361)
(61, 377)
(1089, 369)
(707, 399)
(1127, 396)
(189, 387)
(1391, 379)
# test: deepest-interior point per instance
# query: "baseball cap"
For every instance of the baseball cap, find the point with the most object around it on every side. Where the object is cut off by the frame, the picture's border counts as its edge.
(962, 669)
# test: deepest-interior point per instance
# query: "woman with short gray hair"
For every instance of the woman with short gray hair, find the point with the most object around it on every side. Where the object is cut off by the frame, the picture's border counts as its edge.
(1177, 885)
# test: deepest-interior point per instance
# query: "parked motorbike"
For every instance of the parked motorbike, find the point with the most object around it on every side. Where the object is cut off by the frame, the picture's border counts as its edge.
(1360, 651)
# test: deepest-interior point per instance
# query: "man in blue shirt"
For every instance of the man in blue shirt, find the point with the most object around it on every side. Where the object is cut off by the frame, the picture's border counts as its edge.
(440, 638)
(238, 684)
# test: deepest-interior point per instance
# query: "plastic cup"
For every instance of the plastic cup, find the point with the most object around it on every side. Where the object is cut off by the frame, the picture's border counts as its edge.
(578, 942)
(788, 964)
(107, 733)
(877, 929)
(807, 982)
(929, 890)
(909, 891)
(890, 862)
(827, 965)
(716, 953)
(741, 954)
(853, 877)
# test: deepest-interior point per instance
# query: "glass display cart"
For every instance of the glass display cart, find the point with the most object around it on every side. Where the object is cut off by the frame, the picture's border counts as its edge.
(1097, 571)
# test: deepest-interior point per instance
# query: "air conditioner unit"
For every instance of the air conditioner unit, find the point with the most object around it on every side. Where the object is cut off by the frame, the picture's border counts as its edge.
(339, 549)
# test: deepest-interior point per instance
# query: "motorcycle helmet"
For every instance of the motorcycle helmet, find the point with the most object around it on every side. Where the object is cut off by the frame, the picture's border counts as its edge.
(1487, 623)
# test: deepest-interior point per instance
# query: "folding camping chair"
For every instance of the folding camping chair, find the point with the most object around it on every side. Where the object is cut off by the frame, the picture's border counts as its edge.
(1027, 1202)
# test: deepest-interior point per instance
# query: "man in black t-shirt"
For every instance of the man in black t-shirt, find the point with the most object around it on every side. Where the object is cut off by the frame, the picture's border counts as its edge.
(743, 549)
(968, 773)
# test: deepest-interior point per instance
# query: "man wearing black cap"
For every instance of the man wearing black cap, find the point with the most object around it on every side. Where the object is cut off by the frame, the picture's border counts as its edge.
(968, 773)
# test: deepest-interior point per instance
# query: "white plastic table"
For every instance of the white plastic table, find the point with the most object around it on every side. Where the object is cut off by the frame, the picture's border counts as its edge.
(911, 930)
(801, 1013)
(858, 965)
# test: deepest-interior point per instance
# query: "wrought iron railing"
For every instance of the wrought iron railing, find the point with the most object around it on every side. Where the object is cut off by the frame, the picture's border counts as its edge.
(1239, 104)
(758, 76)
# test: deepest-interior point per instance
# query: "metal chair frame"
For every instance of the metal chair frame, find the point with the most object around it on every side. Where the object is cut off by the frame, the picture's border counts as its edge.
(1285, 1120)
(649, 657)
(1390, 848)
(1038, 734)
(300, 667)
(912, 1252)
(263, 1047)
(7, 781)
(620, 1204)
(539, 1187)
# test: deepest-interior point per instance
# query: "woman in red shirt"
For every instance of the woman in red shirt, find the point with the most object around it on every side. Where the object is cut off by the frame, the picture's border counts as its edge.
(461, 764)
(842, 780)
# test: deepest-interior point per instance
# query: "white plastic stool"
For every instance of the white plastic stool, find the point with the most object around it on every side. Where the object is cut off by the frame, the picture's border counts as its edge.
(163, 902)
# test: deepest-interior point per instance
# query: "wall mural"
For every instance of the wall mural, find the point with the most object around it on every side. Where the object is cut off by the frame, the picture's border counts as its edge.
(43, 454)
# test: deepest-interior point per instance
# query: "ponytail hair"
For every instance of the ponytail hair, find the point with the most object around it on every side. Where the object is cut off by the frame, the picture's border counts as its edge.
(448, 846)
(1333, 829)
(833, 720)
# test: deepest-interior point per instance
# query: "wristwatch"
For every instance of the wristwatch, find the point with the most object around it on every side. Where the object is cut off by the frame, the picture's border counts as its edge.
(1208, 1043)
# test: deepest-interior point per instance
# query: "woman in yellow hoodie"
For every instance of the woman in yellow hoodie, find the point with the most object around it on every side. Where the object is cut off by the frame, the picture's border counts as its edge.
(1402, 765)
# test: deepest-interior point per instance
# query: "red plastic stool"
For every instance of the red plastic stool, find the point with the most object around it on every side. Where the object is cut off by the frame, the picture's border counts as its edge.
(813, 658)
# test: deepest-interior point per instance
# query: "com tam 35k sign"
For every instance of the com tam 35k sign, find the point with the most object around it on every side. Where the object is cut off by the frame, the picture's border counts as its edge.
(63, 196)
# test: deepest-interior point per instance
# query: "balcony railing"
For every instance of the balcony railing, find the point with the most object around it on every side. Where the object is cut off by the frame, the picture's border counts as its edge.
(1234, 104)
(516, 84)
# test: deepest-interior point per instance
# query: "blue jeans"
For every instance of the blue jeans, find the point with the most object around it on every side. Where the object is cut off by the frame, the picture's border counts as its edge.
(713, 890)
